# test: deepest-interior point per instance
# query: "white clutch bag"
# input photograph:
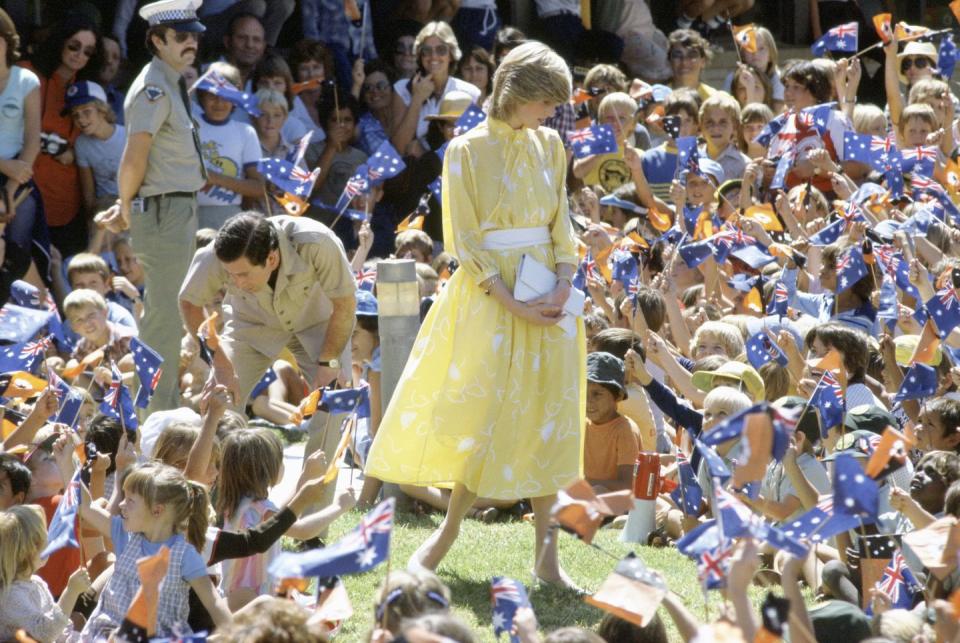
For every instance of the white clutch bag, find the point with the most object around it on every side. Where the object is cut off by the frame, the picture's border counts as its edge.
(535, 279)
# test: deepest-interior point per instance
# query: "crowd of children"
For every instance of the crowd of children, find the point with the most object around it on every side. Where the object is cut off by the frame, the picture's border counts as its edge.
(772, 270)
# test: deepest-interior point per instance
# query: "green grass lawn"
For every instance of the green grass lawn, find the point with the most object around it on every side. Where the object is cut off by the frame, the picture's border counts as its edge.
(506, 549)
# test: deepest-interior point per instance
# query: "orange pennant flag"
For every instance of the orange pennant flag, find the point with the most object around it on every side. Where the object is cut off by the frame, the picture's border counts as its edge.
(208, 332)
(753, 301)
(580, 511)
(142, 613)
(352, 10)
(928, 344)
(889, 455)
(746, 37)
(313, 83)
(955, 9)
(334, 468)
(411, 222)
(580, 96)
(632, 591)
(661, 221)
(833, 362)
(307, 407)
(909, 32)
(637, 239)
(603, 263)
(11, 420)
(21, 384)
(758, 435)
(292, 204)
(333, 607)
(951, 176)
(763, 212)
(881, 22)
(92, 360)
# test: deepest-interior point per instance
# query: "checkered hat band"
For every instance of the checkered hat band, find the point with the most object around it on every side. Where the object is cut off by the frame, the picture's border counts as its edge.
(173, 15)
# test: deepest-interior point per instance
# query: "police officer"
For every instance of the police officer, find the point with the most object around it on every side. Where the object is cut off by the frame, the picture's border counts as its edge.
(160, 173)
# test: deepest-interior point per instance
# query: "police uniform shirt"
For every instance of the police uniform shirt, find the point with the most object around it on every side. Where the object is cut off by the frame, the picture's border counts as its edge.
(154, 105)
(313, 270)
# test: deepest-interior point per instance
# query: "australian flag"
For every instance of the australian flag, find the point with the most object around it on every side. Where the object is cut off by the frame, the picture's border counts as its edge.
(899, 583)
(778, 303)
(213, 83)
(25, 356)
(117, 402)
(920, 159)
(471, 117)
(148, 365)
(507, 596)
(854, 492)
(268, 378)
(384, 164)
(944, 309)
(596, 139)
(841, 38)
(21, 323)
(688, 495)
(625, 268)
(360, 550)
(356, 184)
(761, 349)
(716, 467)
(289, 178)
(688, 155)
(713, 565)
(851, 268)
(366, 279)
(820, 523)
(694, 254)
(63, 526)
(919, 381)
(771, 129)
(828, 399)
(348, 400)
(947, 58)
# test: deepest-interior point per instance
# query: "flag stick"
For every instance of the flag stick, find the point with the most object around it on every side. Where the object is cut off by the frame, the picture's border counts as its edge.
(736, 46)
(880, 43)
(266, 198)
(383, 598)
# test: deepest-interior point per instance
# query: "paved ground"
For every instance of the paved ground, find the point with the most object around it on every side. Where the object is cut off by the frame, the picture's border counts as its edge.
(293, 463)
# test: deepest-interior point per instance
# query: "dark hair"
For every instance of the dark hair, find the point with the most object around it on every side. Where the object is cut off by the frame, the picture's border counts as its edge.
(384, 68)
(247, 234)
(653, 306)
(683, 99)
(8, 31)
(435, 137)
(49, 54)
(17, 472)
(851, 343)
(270, 66)
(483, 57)
(617, 341)
(948, 411)
(369, 323)
(105, 433)
(864, 286)
(811, 76)
(573, 635)
(327, 107)
(613, 628)
(508, 38)
(951, 500)
(243, 15)
(307, 49)
(688, 38)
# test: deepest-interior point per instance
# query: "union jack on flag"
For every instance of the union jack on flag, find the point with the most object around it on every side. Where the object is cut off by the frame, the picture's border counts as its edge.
(896, 577)
(713, 564)
(948, 296)
(37, 348)
(378, 522)
(366, 278)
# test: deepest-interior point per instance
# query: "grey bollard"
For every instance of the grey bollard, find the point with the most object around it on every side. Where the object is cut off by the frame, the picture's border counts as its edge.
(398, 300)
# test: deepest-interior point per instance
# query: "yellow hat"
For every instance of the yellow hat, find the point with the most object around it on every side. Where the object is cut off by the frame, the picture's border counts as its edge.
(907, 346)
(747, 375)
(452, 106)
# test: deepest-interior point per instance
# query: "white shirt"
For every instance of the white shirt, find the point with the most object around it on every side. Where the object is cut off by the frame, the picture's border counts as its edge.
(228, 148)
(432, 104)
(554, 6)
(300, 113)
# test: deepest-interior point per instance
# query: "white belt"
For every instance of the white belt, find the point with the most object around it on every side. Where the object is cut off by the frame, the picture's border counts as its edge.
(516, 238)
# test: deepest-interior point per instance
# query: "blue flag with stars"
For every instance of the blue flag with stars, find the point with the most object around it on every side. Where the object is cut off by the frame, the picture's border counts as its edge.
(688, 157)
(854, 492)
(269, 377)
(695, 253)
(920, 159)
(713, 565)
(149, 367)
(715, 464)
(851, 268)
(701, 538)
(919, 381)
(25, 356)
(348, 400)
(384, 164)
(778, 303)
(828, 399)
(470, 118)
(117, 402)
(944, 310)
(21, 324)
(820, 523)
(688, 495)
(596, 139)
(841, 38)
(761, 350)
(771, 129)
(947, 56)
(507, 596)
(360, 550)
(213, 83)
(289, 178)
(63, 526)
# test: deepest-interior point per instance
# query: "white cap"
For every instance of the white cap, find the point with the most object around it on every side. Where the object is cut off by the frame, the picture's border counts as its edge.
(177, 14)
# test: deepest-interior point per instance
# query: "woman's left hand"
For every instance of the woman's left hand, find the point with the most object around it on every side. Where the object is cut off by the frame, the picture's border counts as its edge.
(556, 297)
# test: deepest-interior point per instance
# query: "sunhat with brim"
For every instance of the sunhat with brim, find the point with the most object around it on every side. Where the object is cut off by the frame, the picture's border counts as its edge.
(607, 369)
(452, 106)
(914, 48)
(709, 167)
(750, 381)
(366, 304)
(907, 346)
(869, 417)
(859, 444)
(623, 204)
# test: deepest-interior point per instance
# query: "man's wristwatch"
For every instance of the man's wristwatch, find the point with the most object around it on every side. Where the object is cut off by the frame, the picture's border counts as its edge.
(331, 363)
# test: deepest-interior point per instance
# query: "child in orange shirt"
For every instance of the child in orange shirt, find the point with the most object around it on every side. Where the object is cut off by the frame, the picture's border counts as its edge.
(612, 440)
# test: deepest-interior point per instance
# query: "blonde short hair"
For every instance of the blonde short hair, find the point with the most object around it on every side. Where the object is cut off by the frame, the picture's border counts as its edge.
(865, 115)
(724, 101)
(228, 71)
(83, 297)
(23, 532)
(529, 73)
(728, 335)
(444, 32)
(616, 101)
(923, 111)
(272, 97)
(729, 399)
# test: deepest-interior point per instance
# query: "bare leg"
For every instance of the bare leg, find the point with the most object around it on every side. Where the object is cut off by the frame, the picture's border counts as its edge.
(432, 551)
(547, 567)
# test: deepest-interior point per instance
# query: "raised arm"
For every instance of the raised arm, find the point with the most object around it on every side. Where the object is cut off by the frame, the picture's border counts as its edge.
(891, 80)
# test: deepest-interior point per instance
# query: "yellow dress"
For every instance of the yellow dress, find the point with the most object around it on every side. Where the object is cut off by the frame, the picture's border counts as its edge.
(487, 399)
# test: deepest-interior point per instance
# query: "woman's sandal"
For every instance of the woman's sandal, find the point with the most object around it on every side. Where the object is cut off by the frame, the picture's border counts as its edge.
(487, 515)
(659, 538)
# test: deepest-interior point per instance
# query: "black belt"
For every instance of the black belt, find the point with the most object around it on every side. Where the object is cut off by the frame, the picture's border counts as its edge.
(167, 195)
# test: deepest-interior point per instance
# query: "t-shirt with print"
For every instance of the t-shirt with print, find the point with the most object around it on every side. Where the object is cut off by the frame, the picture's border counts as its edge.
(609, 172)
(608, 446)
(103, 158)
(228, 148)
(20, 83)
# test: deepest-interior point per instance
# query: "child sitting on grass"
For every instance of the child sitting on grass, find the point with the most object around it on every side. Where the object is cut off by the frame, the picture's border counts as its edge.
(612, 440)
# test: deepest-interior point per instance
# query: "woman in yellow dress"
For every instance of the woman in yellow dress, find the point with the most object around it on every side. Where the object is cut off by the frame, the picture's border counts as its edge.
(492, 400)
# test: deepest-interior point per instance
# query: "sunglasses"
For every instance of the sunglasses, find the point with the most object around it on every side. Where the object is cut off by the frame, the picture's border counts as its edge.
(690, 54)
(183, 36)
(380, 86)
(920, 63)
(403, 49)
(76, 45)
(439, 50)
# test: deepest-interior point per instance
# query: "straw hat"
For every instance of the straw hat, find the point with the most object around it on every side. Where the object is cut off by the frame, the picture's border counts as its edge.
(452, 106)
(752, 383)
